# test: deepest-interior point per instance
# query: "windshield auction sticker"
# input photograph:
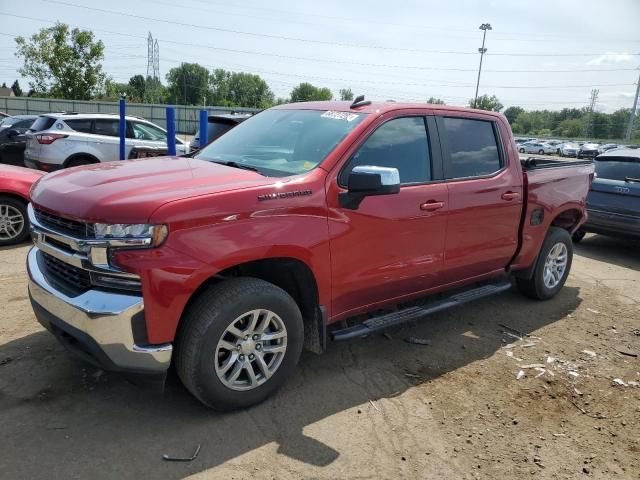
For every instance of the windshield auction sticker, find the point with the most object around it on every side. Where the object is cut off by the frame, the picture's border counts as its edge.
(348, 116)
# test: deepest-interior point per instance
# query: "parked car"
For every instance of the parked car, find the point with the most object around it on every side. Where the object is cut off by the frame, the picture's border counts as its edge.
(15, 183)
(60, 140)
(307, 221)
(589, 150)
(569, 150)
(218, 125)
(608, 146)
(13, 138)
(536, 147)
(613, 204)
(523, 140)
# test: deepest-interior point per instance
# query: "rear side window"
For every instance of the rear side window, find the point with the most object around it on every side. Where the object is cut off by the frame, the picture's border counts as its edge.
(80, 125)
(473, 148)
(42, 123)
(618, 168)
(214, 130)
(401, 143)
(106, 127)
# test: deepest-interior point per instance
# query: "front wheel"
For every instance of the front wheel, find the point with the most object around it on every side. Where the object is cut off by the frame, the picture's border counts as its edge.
(552, 267)
(14, 223)
(522, 150)
(238, 343)
(540, 152)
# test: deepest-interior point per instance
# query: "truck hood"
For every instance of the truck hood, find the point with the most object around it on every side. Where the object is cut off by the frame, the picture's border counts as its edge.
(130, 191)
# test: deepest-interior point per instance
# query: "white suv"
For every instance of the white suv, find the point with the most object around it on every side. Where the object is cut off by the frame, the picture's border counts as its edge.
(61, 140)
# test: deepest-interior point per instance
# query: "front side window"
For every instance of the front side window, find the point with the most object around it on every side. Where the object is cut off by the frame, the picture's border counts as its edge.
(473, 148)
(400, 143)
(281, 142)
(143, 131)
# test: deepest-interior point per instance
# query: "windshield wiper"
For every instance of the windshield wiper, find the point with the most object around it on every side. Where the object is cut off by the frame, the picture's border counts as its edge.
(237, 165)
(631, 179)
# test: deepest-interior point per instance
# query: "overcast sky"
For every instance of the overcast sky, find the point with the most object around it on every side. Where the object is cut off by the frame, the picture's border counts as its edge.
(401, 49)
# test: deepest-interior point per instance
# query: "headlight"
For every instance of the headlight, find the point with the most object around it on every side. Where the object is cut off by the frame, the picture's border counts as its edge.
(139, 231)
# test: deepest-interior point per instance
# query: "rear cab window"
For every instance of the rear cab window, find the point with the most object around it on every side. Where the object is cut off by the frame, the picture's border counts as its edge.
(618, 168)
(471, 147)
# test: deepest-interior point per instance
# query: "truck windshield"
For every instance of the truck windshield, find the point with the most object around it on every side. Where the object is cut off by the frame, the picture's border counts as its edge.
(279, 143)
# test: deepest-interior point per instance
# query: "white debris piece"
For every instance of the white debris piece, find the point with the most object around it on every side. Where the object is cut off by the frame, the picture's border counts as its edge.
(573, 374)
(533, 365)
(633, 383)
(593, 311)
(529, 344)
(520, 375)
(591, 353)
(619, 382)
(551, 360)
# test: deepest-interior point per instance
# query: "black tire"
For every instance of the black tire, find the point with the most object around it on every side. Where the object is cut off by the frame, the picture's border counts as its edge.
(578, 236)
(78, 161)
(521, 150)
(204, 324)
(21, 207)
(535, 287)
(540, 152)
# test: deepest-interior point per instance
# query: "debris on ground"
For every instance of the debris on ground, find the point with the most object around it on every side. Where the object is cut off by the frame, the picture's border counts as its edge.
(591, 353)
(520, 375)
(5, 361)
(417, 341)
(170, 458)
(627, 351)
(618, 382)
(573, 374)
(374, 405)
(387, 336)
(636, 331)
(593, 311)
(532, 365)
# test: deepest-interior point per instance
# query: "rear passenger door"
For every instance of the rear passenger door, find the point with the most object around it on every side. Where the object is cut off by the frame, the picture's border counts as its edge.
(106, 135)
(485, 196)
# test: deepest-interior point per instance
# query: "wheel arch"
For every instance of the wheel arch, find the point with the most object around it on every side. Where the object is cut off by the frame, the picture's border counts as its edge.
(292, 275)
(88, 156)
(569, 219)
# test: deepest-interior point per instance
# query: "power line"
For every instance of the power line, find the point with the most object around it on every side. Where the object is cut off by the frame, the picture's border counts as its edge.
(320, 60)
(306, 40)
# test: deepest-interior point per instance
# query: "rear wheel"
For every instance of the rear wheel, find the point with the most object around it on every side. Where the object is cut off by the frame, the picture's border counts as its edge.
(540, 152)
(521, 150)
(552, 267)
(14, 223)
(239, 342)
(578, 236)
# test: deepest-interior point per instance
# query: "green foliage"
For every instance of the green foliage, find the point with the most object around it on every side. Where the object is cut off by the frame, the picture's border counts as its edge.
(486, 102)
(346, 94)
(239, 89)
(435, 101)
(305, 92)
(512, 113)
(188, 84)
(62, 63)
(137, 88)
(17, 91)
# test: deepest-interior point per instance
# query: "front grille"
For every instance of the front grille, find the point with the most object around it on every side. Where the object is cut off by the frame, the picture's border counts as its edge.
(64, 225)
(68, 275)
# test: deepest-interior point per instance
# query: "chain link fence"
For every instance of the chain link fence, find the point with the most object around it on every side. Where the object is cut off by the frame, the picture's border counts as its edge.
(187, 117)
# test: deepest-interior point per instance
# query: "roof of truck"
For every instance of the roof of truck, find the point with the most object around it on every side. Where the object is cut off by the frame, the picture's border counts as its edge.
(377, 107)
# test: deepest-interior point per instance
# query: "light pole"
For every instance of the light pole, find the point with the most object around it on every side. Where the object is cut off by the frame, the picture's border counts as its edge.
(484, 27)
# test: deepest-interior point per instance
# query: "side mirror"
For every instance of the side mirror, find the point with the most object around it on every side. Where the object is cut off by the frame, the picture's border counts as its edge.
(368, 180)
(12, 133)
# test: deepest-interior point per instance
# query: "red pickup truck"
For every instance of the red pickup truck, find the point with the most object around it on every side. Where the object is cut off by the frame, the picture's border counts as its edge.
(306, 222)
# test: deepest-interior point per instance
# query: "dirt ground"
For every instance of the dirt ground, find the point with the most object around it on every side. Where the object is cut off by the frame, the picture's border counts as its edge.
(375, 408)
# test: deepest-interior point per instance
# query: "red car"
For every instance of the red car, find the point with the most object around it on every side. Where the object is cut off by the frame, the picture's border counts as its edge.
(15, 183)
(305, 222)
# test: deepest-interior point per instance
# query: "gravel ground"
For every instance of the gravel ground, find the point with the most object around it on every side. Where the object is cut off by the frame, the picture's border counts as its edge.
(376, 408)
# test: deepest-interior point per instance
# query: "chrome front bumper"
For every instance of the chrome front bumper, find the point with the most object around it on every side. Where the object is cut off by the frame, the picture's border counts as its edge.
(96, 324)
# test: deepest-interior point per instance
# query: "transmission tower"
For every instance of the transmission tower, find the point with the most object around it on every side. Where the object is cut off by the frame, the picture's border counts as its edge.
(150, 65)
(588, 128)
(156, 62)
(153, 67)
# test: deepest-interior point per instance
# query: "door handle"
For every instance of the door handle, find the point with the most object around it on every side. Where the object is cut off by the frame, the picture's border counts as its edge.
(510, 196)
(431, 205)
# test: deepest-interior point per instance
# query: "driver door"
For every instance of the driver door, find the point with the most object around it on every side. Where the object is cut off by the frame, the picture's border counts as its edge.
(392, 246)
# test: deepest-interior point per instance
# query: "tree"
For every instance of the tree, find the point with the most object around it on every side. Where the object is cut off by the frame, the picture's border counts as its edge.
(346, 94)
(188, 84)
(435, 101)
(571, 127)
(17, 91)
(239, 89)
(486, 102)
(305, 92)
(62, 63)
(512, 113)
(137, 88)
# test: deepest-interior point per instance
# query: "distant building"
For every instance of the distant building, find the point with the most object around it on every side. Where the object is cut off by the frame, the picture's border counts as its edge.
(6, 92)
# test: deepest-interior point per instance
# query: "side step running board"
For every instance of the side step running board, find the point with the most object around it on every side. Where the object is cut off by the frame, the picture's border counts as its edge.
(413, 313)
